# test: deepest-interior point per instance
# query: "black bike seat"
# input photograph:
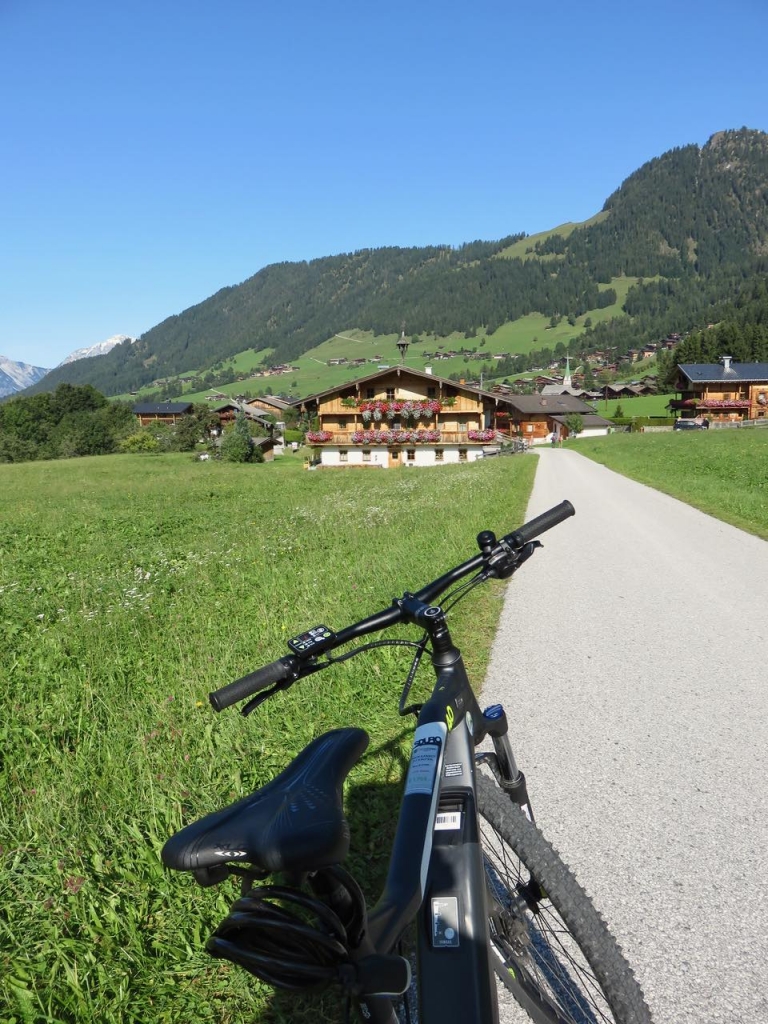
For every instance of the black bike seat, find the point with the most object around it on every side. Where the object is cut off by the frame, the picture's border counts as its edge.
(294, 823)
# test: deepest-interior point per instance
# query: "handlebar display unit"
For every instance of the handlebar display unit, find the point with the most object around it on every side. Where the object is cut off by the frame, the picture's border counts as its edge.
(314, 641)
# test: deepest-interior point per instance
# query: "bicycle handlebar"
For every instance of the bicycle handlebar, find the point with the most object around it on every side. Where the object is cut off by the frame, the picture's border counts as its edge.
(275, 672)
(534, 528)
(292, 667)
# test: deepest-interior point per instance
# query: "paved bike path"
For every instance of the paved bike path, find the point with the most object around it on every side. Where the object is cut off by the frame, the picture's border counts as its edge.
(632, 658)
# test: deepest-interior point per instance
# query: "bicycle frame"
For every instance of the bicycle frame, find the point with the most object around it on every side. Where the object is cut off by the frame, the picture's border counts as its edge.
(436, 872)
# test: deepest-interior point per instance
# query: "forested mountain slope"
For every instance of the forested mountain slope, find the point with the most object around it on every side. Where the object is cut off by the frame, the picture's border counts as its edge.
(693, 223)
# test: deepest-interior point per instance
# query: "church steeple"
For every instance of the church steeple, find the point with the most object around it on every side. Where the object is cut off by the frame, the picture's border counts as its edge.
(567, 378)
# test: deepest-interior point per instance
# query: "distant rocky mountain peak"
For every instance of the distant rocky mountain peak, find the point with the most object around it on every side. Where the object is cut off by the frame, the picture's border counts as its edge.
(99, 349)
(17, 376)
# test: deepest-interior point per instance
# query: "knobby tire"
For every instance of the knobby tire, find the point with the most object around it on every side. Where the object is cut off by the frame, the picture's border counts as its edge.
(551, 949)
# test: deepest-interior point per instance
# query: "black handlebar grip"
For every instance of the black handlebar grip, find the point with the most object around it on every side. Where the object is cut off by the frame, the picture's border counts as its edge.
(540, 524)
(232, 693)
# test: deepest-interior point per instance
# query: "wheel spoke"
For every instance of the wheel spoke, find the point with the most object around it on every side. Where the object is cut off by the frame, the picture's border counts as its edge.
(552, 950)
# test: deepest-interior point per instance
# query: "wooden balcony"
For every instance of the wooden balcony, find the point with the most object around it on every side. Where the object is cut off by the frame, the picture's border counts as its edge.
(336, 407)
(344, 437)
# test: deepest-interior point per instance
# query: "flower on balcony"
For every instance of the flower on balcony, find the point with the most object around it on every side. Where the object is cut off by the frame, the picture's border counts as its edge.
(377, 409)
(318, 436)
(427, 436)
(481, 435)
(395, 436)
(724, 403)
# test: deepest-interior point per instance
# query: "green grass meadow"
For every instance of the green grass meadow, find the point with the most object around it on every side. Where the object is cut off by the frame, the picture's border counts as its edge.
(130, 586)
(722, 472)
(640, 406)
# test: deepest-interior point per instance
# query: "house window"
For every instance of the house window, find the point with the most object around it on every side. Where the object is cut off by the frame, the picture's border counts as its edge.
(342, 424)
(397, 425)
(390, 394)
(395, 453)
(438, 454)
(462, 428)
(343, 455)
(366, 456)
(370, 393)
(431, 392)
(462, 454)
(411, 453)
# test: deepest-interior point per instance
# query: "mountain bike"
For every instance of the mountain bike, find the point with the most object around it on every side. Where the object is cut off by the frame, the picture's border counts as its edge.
(494, 910)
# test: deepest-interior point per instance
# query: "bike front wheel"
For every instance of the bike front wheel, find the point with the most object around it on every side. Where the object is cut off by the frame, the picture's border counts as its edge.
(550, 947)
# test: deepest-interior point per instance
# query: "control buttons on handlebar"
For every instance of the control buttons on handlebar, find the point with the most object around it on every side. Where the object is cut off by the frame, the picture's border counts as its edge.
(314, 641)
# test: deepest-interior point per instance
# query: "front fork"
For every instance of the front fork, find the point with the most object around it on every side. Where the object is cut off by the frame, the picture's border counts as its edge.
(494, 719)
(502, 762)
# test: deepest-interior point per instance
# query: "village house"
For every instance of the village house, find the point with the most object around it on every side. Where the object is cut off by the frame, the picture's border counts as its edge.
(400, 416)
(268, 405)
(405, 417)
(724, 392)
(537, 417)
(169, 413)
(566, 385)
(228, 411)
(149, 413)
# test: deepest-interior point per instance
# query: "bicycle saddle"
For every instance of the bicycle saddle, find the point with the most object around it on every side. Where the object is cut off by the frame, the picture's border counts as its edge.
(294, 823)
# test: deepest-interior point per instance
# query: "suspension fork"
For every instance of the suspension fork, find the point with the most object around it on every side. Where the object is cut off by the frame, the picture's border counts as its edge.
(502, 762)
(494, 719)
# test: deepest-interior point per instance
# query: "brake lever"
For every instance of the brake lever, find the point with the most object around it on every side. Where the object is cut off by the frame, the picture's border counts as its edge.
(506, 560)
(258, 700)
(284, 684)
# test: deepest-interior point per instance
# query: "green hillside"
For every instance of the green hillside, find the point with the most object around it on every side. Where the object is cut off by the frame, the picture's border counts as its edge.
(525, 248)
(673, 249)
(523, 336)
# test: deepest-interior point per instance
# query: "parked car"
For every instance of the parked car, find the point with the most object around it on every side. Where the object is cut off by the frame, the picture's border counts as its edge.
(690, 424)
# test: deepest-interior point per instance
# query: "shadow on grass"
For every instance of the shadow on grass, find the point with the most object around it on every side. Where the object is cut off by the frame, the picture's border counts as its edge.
(372, 810)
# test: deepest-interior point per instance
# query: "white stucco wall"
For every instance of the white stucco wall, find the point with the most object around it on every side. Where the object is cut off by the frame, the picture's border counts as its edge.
(424, 455)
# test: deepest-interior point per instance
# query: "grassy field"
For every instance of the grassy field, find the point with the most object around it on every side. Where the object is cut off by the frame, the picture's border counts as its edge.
(721, 472)
(131, 586)
(643, 405)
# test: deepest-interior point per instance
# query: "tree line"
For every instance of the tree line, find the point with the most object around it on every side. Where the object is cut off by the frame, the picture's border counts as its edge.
(67, 422)
(77, 420)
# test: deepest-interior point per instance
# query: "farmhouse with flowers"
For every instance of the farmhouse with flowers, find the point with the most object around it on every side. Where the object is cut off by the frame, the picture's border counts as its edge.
(723, 392)
(401, 416)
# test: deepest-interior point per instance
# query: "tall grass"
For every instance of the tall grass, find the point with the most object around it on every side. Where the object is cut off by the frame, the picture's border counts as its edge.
(129, 587)
(721, 472)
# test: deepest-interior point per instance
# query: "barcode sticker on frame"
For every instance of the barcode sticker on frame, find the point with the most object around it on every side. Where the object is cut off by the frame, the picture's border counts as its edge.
(448, 820)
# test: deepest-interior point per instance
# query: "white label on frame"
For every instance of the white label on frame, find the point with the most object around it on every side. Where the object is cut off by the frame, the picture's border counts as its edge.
(426, 756)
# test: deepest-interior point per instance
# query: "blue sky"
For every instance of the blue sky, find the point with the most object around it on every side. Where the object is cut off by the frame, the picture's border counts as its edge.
(154, 152)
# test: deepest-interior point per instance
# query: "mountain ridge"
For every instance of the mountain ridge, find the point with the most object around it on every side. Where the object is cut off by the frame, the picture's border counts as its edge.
(691, 223)
(15, 376)
(101, 348)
